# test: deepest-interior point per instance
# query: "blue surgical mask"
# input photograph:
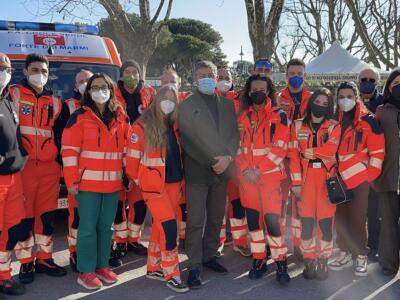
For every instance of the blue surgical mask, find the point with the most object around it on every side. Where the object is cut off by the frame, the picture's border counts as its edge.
(296, 81)
(367, 87)
(207, 86)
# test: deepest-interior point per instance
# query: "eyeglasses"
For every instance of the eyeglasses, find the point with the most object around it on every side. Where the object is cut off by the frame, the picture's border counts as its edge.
(103, 88)
(373, 80)
(263, 64)
(7, 69)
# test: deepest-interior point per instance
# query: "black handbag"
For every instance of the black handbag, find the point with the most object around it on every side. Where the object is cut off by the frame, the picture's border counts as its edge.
(337, 191)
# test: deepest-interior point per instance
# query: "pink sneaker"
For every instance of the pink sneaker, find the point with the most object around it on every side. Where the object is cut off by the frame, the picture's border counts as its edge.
(106, 275)
(89, 281)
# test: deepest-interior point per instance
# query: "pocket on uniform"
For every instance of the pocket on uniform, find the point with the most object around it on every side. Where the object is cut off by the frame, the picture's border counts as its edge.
(151, 180)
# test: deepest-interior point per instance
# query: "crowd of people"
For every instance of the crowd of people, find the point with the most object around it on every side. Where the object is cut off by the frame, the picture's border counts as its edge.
(199, 161)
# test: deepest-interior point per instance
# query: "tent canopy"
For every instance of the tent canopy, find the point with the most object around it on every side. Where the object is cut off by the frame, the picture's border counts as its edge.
(336, 59)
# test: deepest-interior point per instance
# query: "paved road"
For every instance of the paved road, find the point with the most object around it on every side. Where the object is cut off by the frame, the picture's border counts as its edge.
(235, 285)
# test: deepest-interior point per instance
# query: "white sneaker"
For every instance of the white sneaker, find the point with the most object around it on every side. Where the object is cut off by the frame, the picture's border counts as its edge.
(344, 260)
(360, 267)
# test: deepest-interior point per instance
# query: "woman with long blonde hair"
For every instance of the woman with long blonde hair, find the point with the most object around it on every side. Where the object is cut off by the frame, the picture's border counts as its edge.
(154, 163)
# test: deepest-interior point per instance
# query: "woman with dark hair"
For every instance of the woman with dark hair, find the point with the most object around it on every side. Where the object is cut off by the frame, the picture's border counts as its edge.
(154, 163)
(92, 149)
(388, 184)
(264, 135)
(361, 153)
(312, 153)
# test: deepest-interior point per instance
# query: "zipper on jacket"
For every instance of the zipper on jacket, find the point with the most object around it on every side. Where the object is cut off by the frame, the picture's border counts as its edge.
(348, 144)
(263, 133)
(116, 139)
(41, 116)
(36, 134)
(98, 137)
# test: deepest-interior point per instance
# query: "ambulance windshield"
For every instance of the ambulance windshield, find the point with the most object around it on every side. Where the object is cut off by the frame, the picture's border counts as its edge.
(62, 75)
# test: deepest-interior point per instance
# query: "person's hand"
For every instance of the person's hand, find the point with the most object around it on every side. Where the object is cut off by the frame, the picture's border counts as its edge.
(2, 159)
(309, 153)
(296, 191)
(74, 189)
(222, 164)
(251, 175)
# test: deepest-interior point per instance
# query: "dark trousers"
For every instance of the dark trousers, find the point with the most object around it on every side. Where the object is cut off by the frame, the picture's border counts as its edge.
(389, 242)
(205, 212)
(351, 222)
(373, 220)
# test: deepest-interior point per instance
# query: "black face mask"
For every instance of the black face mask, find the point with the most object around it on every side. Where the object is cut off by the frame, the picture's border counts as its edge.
(258, 98)
(396, 91)
(319, 111)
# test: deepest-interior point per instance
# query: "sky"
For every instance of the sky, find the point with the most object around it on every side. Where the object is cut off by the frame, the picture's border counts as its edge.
(228, 17)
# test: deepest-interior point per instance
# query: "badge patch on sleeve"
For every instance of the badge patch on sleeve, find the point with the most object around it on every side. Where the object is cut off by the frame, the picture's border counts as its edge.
(26, 110)
(134, 138)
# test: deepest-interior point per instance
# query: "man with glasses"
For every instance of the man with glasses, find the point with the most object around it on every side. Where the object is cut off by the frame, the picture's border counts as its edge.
(12, 159)
(368, 80)
(39, 112)
(263, 67)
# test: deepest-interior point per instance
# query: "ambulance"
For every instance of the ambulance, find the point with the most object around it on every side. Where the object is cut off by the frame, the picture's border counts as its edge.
(69, 48)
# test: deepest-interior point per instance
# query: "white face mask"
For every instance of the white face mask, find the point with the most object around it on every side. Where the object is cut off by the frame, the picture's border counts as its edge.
(167, 106)
(38, 80)
(346, 104)
(5, 78)
(224, 85)
(82, 88)
(173, 85)
(101, 96)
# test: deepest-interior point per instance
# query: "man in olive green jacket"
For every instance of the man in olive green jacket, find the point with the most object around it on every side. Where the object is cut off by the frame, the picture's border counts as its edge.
(210, 139)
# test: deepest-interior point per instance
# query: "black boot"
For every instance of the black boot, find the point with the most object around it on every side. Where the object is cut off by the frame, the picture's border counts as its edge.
(298, 255)
(10, 287)
(27, 273)
(115, 257)
(322, 269)
(310, 269)
(194, 280)
(73, 262)
(122, 248)
(49, 267)
(137, 248)
(282, 275)
(269, 255)
(259, 269)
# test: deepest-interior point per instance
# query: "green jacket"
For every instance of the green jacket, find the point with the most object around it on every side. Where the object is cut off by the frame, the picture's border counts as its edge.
(202, 140)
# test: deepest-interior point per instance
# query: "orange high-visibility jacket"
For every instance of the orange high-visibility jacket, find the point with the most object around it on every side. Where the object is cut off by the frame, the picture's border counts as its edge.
(285, 102)
(264, 137)
(233, 96)
(92, 153)
(183, 95)
(37, 118)
(145, 168)
(362, 149)
(72, 104)
(301, 139)
(147, 94)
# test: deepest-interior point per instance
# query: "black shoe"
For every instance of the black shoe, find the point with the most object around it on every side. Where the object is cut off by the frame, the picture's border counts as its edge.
(212, 264)
(182, 245)
(310, 269)
(11, 287)
(373, 255)
(298, 255)
(282, 275)
(27, 273)
(48, 267)
(137, 248)
(388, 272)
(269, 255)
(115, 257)
(194, 280)
(259, 269)
(177, 286)
(73, 262)
(322, 269)
(122, 249)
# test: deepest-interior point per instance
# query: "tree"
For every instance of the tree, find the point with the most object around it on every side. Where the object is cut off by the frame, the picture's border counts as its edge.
(192, 40)
(137, 39)
(263, 30)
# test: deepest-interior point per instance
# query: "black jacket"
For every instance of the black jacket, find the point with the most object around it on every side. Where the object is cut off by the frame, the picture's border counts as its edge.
(10, 136)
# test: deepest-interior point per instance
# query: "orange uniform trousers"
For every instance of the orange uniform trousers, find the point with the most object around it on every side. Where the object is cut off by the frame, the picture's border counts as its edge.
(265, 209)
(316, 214)
(12, 227)
(41, 186)
(163, 251)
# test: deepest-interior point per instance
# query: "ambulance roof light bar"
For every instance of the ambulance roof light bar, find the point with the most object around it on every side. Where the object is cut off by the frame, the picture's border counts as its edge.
(70, 28)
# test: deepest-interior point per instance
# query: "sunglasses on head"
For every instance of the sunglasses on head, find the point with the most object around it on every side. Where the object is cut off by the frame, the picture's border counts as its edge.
(373, 80)
(263, 64)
